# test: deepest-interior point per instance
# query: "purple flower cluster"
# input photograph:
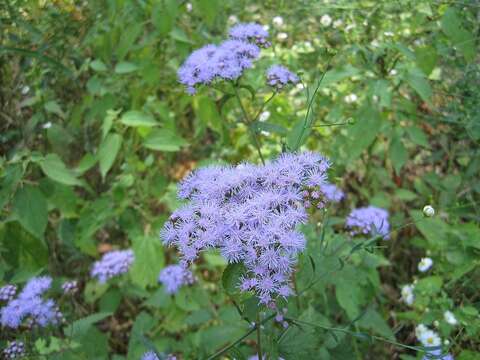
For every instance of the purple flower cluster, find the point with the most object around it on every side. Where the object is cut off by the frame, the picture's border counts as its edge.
(332, 192)
(369, 220)
(150, 355)
(70, 287)
(173, 277)
(250, 32)
(279, 76)
(250, 213)
(113, 263)
(14, 350)
(29, 304)
(7, 292)
(226, 61)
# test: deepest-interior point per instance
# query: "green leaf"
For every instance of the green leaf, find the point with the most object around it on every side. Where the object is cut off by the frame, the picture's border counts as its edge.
(206, 111)
(429, 285)
(426, 58)
(164, 140)
(363, 132)
(81, 327)
(374, 321)
(108, 151)
(143, 323)
(54, 108)
(421, 85)
(98, 65)
(10, 180)
(56, 170)
(149, 260)
(137, 118)
(164, 15)
(30, 206)
(129, 35)
(398, 153)
(270, 127)
(209, 10)
(125, 67)
(231, 277)
(333, 76)
(417, 136)
(298, 135)
(452, 26)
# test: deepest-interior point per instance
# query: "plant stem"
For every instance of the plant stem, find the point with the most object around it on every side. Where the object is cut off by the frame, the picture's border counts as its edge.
(249, 124)
(259, 340)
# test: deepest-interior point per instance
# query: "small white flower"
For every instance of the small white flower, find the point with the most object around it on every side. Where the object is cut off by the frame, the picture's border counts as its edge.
(47, 125)
(326, 20)
(446, 342)
(450, 318)
(425, 264)
(337, 23)
(264, 116)
(232, 19)
(351, 98)
(408, 297)
(277, 21)
(25, 90)
(375, 43)
(393, 72)
(388, 33)
(428, 211)
(266, 27)
(375, 98)
(419, 330)
(265, 133)
(350, 27)
(430, 338)
(282, 36)
(436, 323)
(189, 6)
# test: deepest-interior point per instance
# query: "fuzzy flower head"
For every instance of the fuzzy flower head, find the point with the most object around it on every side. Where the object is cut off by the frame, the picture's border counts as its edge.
(369, 220)
(150, 355)
(332, 192)
(30, 305)
(113, 263)
(408, 297)
(173, 277)
(70, 287)
(250, 213)
(250, 32)
(7, 292)
(450, 318)
(425, 264)
(14, 350)
(210, 63)
(279, 76)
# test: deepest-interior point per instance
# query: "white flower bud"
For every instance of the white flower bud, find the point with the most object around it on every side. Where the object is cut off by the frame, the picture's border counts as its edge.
(428, 211)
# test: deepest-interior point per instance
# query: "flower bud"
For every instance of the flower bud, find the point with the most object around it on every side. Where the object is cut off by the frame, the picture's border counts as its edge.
(428, 211)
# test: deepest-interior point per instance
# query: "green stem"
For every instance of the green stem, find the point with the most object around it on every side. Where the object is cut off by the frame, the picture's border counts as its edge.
(239, 340)
(249, 124)
(259, 339)
(263, 106)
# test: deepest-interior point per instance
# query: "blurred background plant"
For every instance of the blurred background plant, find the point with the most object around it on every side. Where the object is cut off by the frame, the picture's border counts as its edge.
(96, 131)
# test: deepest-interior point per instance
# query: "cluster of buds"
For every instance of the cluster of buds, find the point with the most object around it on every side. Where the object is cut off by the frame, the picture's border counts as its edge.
(14, 350)
(313, 198)
(7, 292)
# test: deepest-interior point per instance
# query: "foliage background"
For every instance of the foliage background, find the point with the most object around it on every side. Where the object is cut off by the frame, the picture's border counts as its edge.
(96, 132)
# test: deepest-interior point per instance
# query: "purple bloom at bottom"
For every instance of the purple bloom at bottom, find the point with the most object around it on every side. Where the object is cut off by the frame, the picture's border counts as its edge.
(150, 355)
(173, 277)
(29, 304)
(332, 192)
(435, 355)
(113, 263)
(278, 76)
(7, 292)
(369, 220)
(255, 357)
(14, 350)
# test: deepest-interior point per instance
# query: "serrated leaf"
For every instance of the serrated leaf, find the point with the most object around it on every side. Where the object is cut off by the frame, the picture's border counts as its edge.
(56, 170)
(30, 206)
(108, 151)
(420, 85)
(10, 180)
(164, 140)
(149, 260)
(54, 108)
(80, 327)
(461, 38)
(398, 154)
(137, 118)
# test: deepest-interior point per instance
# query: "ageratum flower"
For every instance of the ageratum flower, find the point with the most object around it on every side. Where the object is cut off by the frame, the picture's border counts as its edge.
(279, 76)
(250, 213)
(369, 220)
(173, 277)
(113, 263)
(14, 350)
(250, 32)
(30, 304)
(7, 292)
(150, 355)
(70, 287)
(226, 61)
(332, 192)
